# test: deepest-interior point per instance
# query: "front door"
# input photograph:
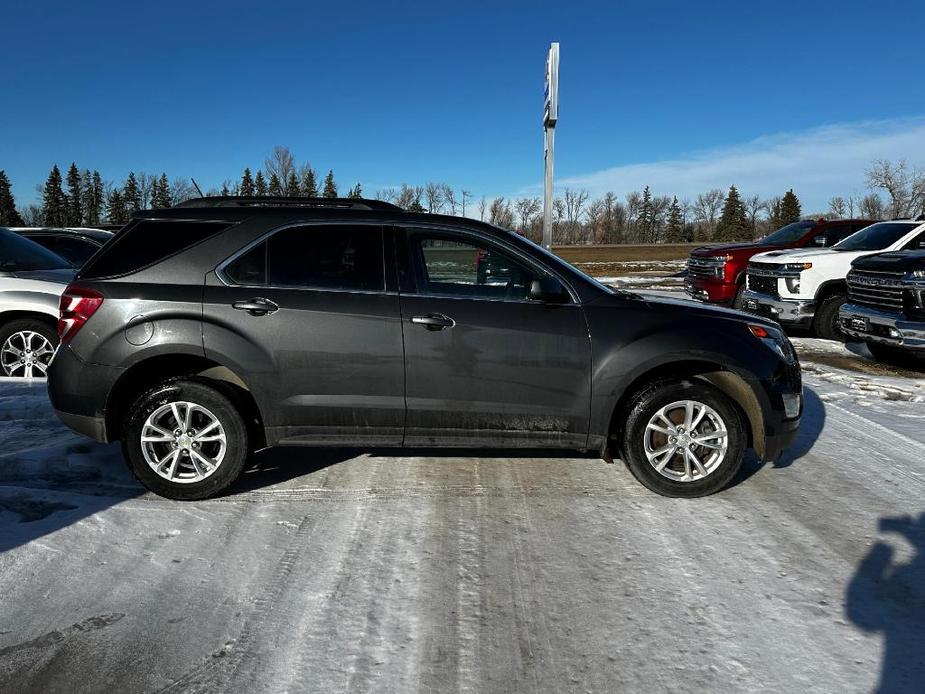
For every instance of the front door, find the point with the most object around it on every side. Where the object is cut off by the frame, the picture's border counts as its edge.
(485, 365)
(305, 317)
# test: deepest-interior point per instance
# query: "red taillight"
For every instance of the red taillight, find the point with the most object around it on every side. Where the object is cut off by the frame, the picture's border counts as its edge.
(76, 306)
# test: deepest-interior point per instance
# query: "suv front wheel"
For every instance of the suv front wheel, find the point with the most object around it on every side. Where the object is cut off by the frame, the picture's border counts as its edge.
(683, 439)
(185, 440)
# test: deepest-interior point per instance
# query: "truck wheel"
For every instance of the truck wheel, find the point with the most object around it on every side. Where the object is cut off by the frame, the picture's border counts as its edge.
(683, 439)
(185, 440)
(26, 347)
(739, 301)
(825, 322)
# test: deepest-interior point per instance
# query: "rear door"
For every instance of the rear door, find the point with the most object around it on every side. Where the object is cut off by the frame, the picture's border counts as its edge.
(306, 317)
(485, 365)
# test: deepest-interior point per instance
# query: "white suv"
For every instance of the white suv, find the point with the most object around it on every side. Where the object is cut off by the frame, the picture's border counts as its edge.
(806, 287)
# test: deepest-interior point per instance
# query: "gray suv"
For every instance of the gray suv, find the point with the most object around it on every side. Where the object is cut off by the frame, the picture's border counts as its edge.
(224, 325)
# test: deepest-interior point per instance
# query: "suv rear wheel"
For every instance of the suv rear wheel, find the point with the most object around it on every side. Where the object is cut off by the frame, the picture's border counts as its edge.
(26, 348)
(684, 439)
(185, 440)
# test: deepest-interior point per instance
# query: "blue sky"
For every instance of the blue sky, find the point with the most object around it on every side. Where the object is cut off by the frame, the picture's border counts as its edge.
(679, 95)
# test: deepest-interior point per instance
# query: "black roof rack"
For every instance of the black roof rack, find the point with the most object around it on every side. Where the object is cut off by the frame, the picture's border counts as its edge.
(337, 203)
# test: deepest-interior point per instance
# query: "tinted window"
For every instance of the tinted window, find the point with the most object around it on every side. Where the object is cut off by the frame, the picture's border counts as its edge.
(18, 253)
(75, 250)
(788, 234)
(917, 244)
(453, 267)
(147, 242)
(839, 233)
(249, 268)
(327, 257)
(876, 237)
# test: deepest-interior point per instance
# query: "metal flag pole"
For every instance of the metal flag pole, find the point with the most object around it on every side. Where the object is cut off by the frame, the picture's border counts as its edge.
(550, 116)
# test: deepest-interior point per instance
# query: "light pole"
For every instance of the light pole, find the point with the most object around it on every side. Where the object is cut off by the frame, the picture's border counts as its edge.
(550, 116)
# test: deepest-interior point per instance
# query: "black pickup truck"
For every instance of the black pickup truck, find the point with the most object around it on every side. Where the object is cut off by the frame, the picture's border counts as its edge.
(886, 304)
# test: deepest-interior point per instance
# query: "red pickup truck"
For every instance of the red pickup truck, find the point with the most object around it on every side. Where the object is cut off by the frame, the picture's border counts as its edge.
(716, 274)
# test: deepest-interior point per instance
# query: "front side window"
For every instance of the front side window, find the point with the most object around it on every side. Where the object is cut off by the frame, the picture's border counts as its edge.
(452, 266)
(336, 256)
(788, 234)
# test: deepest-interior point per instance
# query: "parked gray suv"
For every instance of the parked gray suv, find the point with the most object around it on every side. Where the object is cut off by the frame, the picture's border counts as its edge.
(225, 325)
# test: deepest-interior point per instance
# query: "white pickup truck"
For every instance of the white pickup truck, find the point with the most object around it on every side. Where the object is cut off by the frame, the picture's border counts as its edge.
(807, 287)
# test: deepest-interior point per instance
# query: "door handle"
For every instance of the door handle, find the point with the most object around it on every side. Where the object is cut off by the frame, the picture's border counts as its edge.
(256, 307)
(434, 321)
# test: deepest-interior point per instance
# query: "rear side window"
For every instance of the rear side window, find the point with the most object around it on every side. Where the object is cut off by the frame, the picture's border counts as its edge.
(342, 256)
(76, 251)
(147, 242)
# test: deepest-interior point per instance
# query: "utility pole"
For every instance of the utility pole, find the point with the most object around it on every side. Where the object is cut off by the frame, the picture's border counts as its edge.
(550, 116)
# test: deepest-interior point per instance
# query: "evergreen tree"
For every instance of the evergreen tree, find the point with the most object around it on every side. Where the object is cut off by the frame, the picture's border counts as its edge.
(86, 198)
(54, 203)
(675, 222)
(247, 184)
(74, 213)
(330, 187)
(646, 220)
(790, 209)
(733, 222)
(116, 210)
(309, 185)
(131, 196)
(225, 192)
(98, 200)
(292, 185)
(260, 185)
(9, 216)
(356, 192)
(416, 206)
(166, 197)
(275, 189)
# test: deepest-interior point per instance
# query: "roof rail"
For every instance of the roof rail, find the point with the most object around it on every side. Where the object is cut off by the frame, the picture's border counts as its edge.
(241, 201)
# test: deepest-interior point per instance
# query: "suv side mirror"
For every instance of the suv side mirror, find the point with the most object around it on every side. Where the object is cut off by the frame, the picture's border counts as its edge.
(548, 290)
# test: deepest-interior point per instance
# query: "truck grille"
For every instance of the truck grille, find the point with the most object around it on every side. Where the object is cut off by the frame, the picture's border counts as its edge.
(883, 290)
(702, 267)
(762, 284)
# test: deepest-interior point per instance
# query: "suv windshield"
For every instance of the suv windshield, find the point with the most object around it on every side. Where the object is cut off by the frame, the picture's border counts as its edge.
(876, 237)
(788, 234)
(19, 254)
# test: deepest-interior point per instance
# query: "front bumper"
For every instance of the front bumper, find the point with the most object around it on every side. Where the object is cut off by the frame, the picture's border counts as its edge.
(710, 290)
(798, 312)
(888, 328)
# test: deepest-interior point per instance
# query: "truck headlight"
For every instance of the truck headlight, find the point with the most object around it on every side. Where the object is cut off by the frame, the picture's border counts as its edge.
(775, 340)
(796, 267)
(792, 403)
(793, 285)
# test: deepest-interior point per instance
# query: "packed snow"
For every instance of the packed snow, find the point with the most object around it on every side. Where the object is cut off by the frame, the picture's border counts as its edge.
(335, 570)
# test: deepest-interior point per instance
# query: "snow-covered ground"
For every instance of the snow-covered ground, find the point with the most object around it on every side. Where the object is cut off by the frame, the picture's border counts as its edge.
(333, 570)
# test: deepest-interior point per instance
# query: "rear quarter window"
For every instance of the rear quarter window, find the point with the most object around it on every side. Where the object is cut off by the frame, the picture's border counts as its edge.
(146, 243)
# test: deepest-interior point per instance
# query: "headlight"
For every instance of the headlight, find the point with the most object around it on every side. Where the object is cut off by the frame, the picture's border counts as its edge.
(916, 275)
(796, 267)
(793, 285)
(774, 339)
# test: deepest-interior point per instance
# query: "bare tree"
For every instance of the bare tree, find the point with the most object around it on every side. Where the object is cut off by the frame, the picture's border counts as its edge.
(387, 194)
(145, 183)
(574, 201)
(280, 162)
(181, 189)
(706, 209)
(500, 213)
(838, 207)
(482, 204)
(905, 186)
(526, 208)
(871, 207)
(466, 195)
(753, 207)
(449, 198)
(409, 197)
(433, 195)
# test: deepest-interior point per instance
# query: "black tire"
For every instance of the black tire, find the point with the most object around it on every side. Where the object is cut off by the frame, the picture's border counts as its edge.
(659, 395)
(739, 302)
(33, 325)
(825, 322)
(237, 445)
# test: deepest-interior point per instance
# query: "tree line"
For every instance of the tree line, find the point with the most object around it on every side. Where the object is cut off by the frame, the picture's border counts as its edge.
(82, 198)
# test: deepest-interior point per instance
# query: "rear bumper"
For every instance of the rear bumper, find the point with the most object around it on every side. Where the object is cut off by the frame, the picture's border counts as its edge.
(94, 427)
(888, 328)
(795, 312)
(79, 391)
(711, 290)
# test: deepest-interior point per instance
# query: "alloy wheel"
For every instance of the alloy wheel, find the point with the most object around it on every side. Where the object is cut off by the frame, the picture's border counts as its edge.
(685, 441)
(183, 442)
(26, 354)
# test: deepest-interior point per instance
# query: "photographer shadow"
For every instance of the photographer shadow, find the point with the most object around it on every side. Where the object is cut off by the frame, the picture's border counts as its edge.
(886, 596)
